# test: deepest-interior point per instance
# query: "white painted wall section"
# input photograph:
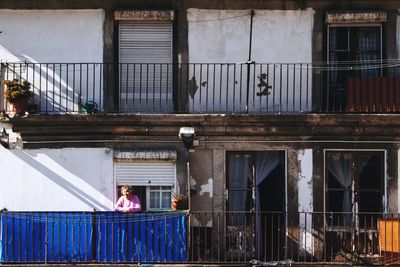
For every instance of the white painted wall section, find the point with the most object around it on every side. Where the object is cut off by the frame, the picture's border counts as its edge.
(55, 36)
(69, 179)
(222, 36)
(51, 35)
(305, 195)
(283, 36)
(207, 188)
(218, 35)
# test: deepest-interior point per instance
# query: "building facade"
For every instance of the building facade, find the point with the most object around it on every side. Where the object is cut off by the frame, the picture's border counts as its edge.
(294, 105)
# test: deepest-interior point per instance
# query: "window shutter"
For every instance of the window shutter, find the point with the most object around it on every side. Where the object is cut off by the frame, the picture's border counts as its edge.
(145, 57)
(145, 174)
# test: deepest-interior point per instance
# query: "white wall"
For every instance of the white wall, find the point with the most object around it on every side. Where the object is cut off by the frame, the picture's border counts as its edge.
(69, 179)
(51, 35)
(222, 36)
(55, 36)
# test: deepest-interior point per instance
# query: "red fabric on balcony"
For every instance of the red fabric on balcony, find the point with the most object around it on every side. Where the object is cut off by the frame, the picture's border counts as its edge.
(373, 94)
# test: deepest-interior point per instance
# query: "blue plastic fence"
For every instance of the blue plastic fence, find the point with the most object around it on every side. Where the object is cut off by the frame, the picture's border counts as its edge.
(102, 237)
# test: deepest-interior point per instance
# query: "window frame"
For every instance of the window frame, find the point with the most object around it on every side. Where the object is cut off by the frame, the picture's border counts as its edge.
(160, 190)
(359, 151)
(336, 92)
(147, 187)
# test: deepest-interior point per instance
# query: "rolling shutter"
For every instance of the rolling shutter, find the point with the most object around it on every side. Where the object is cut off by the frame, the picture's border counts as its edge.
(145, 174)
(145, 57)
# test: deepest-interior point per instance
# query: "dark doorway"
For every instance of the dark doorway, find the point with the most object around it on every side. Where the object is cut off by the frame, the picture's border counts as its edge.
(354, 194)
(256, 204)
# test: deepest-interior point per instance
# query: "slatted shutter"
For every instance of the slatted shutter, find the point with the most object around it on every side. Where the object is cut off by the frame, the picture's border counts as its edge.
(145, 174)
(145, 70)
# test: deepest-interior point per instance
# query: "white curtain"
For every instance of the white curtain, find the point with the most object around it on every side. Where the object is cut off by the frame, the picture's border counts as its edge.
(339, 165)
(265, 163)
(239, 169)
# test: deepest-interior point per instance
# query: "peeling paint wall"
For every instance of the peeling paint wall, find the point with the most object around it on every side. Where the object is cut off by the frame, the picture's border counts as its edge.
(305, 187)
(201, 165)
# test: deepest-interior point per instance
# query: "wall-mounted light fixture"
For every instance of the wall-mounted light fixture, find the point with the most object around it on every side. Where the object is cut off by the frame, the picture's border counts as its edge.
(187, 135)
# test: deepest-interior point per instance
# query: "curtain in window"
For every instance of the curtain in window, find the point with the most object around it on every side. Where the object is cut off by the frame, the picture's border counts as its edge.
(239, 181)
(333, 58)
(362, 163)
(265, 163)
(368, 51)
(339, 165)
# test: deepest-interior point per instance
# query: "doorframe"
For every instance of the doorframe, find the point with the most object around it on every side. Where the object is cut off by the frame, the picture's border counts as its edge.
(328, 99)
(285, 153)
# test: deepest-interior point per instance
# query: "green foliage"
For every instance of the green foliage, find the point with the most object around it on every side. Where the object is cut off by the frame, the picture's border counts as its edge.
(16, 90)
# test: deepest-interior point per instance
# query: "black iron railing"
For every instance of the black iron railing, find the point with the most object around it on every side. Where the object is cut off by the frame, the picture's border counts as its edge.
(199, 237)
(304, 237)
(237, 88)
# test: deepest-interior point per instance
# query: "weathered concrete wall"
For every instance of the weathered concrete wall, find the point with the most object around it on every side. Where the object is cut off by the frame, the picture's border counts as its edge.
(69, 179)
(201, 172)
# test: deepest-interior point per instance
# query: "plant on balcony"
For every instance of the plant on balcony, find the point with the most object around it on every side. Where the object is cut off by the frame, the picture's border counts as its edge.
(18, 94)
(179, 201)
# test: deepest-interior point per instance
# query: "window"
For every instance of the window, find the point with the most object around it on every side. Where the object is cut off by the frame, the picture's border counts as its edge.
(145, 40)
(153, 182)
(354, 182)
(159, 197)
(353, 51)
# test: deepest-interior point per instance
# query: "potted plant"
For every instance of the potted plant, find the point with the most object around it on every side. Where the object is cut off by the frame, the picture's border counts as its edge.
(18, 94)
(179, 201)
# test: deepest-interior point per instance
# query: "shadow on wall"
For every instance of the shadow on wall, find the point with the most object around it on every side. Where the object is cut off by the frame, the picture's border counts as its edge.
(57, 179)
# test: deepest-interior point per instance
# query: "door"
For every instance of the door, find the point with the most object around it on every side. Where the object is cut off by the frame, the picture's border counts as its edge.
(256, 205)
(353, 51)
(354, 200)
(145, 66)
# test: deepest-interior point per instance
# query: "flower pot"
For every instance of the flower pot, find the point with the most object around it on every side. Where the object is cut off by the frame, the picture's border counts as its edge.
(180, 204)
(19, 106)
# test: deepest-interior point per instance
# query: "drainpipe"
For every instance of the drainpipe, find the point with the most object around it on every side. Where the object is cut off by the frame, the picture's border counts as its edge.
(249, 61)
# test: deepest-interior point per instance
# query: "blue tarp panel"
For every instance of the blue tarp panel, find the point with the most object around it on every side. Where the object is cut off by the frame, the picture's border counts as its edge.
(46, 237)
(141, 237)
(65, 237)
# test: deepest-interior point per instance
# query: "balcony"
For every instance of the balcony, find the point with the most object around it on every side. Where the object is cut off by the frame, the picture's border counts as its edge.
(209, 88)
(199, 237)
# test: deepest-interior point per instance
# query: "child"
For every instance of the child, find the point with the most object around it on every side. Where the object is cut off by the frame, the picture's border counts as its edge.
(128, 202)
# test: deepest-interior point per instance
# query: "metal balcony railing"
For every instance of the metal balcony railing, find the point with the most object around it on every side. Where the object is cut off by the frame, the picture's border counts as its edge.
(199, 237)
(233, 88)
(304, 237)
